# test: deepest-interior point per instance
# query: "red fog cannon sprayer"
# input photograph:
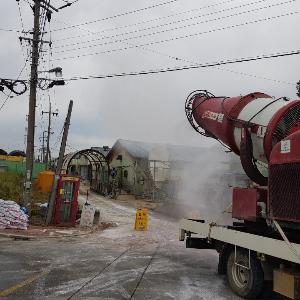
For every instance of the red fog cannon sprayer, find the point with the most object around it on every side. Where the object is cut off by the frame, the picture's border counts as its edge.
(261, 249)
(265, 133)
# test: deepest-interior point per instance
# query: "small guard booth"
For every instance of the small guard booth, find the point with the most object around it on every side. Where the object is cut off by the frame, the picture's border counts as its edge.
(66, 202)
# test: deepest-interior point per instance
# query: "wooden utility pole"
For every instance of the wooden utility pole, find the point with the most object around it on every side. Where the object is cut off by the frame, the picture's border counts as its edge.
(153, 187)
(64, 139)
(51, 202)
(32, 105)
(48, 136)
(43, 147)
(50, 113)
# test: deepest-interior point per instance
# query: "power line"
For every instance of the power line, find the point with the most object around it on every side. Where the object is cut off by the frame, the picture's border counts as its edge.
(178, 37)
(59, 136)
(189, 61)
(177, 58)
(11, 30)
(20, 14)
(147, 21)
(193, 66)
(28, 2)
(256, 76)
(180, 21)
(70, 3)
(118, 15)
(162, 31)
(187, 67)
(8, 96)
(22, 31)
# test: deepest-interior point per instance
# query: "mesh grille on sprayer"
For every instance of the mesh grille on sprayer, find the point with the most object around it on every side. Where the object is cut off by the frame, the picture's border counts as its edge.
(286, 124)
(284, 200)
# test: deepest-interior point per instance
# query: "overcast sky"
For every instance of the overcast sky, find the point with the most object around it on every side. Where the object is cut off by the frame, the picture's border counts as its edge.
(150, 107)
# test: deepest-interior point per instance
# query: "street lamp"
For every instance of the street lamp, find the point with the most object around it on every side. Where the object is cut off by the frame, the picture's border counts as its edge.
(57, 71)
(56, 82)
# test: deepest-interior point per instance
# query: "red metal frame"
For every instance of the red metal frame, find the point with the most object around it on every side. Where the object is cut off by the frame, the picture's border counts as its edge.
(245, 203)
(58, 200)
(279, 157)
(230, 108)
(273, 124)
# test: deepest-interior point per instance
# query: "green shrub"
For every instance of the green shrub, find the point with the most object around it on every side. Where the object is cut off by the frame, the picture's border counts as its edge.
(11, 186)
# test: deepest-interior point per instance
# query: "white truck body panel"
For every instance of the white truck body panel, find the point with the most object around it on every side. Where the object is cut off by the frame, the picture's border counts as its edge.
(260, 244)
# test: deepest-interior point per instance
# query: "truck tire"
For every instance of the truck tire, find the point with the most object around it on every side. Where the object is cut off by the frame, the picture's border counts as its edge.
(246, 283)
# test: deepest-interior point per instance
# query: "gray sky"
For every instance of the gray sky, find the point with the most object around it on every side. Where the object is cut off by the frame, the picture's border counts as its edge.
(150, 107)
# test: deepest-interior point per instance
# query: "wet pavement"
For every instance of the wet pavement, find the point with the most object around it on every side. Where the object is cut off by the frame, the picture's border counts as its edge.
(117, 263)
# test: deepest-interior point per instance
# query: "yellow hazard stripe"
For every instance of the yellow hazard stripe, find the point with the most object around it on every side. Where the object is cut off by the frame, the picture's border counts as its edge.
(21, 284)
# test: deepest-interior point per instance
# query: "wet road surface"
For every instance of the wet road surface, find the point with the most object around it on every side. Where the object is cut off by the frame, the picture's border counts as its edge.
(117, 263)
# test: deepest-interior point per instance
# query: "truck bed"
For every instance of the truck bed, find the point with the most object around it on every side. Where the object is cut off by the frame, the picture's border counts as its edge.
(269, 246)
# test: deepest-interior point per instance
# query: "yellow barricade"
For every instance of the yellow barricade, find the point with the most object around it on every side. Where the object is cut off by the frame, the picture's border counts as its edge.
(141, 219)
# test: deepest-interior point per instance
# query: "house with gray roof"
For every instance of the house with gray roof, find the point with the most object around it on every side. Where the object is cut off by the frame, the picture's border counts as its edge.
(148, 168)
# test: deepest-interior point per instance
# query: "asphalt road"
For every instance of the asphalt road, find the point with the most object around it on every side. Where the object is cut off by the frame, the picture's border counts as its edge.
(117, 263)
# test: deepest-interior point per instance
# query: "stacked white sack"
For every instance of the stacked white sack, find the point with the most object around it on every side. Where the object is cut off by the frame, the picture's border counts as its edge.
(11, 216)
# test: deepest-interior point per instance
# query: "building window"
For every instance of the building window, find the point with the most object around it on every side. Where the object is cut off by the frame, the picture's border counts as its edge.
(125, 173)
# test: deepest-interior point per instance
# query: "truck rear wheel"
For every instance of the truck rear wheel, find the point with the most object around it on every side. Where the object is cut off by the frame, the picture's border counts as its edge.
(245, 282)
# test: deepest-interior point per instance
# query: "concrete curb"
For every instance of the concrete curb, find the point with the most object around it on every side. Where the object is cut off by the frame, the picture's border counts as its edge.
(18, 236)
(39, 237)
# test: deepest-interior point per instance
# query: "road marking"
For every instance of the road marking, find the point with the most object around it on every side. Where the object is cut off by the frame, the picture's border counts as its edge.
(21, 284)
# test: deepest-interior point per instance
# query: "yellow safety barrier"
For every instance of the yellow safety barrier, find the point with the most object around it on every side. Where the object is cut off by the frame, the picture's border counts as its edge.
(141, 219)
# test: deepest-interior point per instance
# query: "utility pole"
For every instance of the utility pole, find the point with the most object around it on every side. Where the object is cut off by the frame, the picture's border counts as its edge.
(64, 139)
(48, 135)
(43, 147)
(43, 138)
(153, 187)
(25, 134)
(47, 156)
(59, 165)
(32, 105)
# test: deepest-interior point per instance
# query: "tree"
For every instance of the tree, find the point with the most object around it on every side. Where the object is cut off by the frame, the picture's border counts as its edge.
(298, 88)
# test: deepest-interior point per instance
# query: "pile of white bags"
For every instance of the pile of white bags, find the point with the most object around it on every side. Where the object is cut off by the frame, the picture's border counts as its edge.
(12, 216)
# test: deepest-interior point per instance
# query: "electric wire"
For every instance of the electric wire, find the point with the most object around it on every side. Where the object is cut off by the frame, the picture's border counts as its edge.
(189, 61)
(22, 31)
(70, 2)
(188, 67)
(11, 30)
(58, 139)
(183, 20)
(156, 32)
(119, 15)
(20, 15)
(177, 58)
(8, 96)
(177, 37)
(43, 18)
(146, 21)
(28, 3)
